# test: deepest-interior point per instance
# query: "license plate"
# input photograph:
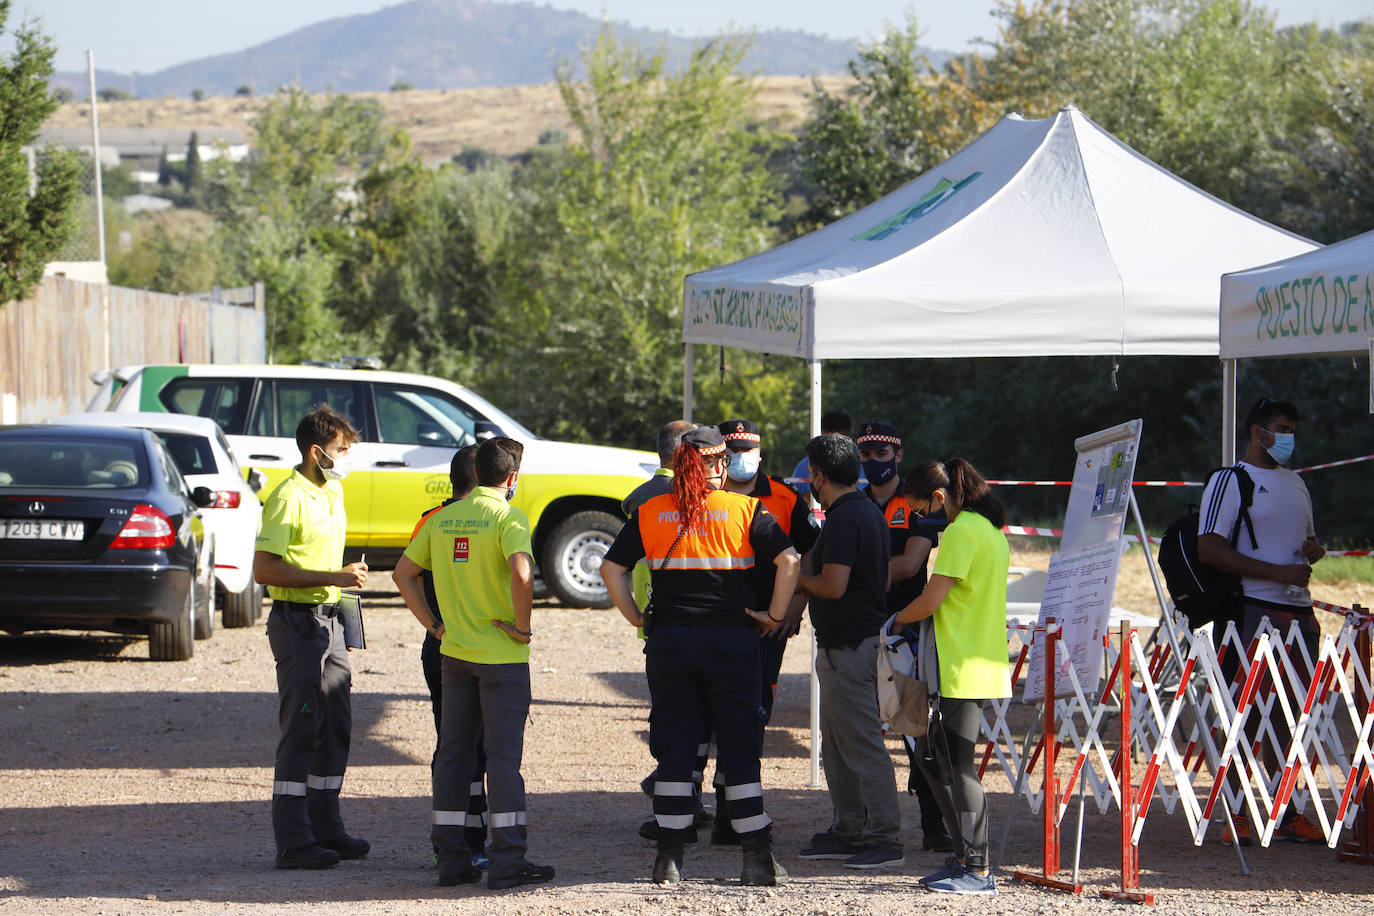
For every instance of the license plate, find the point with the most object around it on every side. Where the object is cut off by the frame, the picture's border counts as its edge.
(42, 530)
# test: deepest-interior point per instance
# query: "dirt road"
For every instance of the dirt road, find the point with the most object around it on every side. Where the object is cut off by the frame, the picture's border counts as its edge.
(129, 786)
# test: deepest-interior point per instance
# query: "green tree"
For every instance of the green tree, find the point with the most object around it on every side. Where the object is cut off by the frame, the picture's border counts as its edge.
(898, 119)
(33, 226)
(198, 95)
(668, 176)
(287, 211)
(113, 94)
(191, 175)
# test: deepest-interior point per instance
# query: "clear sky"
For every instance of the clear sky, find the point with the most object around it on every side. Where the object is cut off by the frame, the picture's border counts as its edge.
(148, 35)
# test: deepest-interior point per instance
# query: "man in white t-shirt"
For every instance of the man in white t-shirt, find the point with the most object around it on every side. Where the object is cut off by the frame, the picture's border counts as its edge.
(1275, 566)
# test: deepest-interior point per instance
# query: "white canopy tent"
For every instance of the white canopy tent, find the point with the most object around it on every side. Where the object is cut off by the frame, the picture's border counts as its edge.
(1041, 238)
(1316, 304)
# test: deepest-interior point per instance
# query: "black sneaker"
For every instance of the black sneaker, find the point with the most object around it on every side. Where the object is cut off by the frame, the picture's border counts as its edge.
(464, 876)
(828, 846)
(525, 873)
(312, 856)
(348, 847)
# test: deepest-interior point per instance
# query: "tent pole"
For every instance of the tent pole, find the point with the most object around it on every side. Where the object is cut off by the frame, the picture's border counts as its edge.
(815, 367)
(688, 358)
(1228, 412)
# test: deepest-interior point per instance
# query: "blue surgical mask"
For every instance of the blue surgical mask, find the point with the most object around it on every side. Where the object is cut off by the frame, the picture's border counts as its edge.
(1282, 449)
(743, 466)
(880, 472)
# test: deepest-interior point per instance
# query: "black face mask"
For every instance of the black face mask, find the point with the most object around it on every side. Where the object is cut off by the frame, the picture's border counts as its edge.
(880, 472)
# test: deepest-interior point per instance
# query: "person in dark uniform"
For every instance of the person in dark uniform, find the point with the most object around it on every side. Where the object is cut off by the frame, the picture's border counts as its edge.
(298, 557)
(668, 439)
(702, 651)
(462, 474)
(880, 451)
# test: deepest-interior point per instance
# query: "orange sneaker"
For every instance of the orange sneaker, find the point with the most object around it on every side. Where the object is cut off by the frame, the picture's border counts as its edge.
(1298, 828)
(1243, 832)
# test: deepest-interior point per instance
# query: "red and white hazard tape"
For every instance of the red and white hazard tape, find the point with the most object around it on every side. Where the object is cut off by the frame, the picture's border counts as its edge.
(1336, 464)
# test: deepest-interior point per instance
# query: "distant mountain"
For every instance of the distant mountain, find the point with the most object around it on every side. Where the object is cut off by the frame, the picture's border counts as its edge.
(442, 44)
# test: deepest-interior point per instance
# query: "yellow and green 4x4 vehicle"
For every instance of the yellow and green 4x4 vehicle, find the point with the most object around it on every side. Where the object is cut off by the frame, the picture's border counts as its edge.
(410, 425)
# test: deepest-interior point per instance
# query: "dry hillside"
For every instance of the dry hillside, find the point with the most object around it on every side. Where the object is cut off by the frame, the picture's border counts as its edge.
(506, 120)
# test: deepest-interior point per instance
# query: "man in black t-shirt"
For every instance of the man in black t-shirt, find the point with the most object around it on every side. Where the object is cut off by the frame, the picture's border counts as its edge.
(848, 608)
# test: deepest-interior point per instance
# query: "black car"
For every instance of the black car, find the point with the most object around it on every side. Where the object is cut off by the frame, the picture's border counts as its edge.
(99, 531)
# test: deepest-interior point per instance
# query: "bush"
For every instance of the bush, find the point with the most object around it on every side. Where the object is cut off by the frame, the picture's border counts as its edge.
(198, 95)
(113, 94)
(245, 89)
(402, 86)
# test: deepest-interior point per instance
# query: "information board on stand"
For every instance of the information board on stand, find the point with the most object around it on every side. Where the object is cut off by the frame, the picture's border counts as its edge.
(1082, 576)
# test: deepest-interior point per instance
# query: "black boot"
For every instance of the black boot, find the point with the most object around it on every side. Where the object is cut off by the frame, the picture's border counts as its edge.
(758, 867)
(668, 864)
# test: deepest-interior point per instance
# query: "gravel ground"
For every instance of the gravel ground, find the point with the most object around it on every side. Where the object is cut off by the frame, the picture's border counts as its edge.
(131, 786)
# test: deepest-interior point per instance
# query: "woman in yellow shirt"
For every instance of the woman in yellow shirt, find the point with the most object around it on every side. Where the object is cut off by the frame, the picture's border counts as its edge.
(967, 599)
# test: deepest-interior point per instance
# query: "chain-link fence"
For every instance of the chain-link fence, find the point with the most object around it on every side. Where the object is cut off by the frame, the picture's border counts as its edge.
(84, 244)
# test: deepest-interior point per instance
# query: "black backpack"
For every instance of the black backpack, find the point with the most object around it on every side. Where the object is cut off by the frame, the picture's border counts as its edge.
(1201, 592)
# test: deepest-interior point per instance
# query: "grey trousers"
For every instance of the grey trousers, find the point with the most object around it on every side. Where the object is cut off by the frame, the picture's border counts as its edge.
(947, 754)
(489, 703)
(315, 712)
(858, 768)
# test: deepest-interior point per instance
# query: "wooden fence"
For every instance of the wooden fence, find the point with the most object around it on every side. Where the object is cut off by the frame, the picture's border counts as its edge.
(52, 342)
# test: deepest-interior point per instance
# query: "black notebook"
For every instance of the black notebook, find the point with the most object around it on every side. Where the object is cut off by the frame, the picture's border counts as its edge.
(351, 616)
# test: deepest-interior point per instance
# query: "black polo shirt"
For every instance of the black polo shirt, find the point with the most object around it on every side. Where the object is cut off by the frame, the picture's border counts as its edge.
(855, 535)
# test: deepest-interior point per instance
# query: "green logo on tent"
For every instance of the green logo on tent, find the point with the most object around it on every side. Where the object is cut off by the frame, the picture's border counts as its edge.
(305, 708)
(943, 191)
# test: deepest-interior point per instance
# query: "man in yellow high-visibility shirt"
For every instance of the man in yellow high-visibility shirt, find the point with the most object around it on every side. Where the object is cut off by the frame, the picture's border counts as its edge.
(480, 554)
(299, 555)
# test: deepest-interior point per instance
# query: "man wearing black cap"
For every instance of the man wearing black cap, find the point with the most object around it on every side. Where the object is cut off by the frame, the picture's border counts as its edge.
(742, 475)
(880, 450)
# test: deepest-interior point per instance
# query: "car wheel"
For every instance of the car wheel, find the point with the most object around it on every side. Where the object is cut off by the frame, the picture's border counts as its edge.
(573, 554)
(242, 608)
(174, 641)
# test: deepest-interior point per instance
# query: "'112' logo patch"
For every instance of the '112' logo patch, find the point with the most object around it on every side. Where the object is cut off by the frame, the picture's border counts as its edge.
(460, 550)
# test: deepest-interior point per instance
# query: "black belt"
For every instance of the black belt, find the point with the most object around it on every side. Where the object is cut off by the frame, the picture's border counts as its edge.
(327, 610)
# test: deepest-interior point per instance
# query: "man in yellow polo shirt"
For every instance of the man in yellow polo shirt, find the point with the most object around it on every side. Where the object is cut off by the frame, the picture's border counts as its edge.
(480, 554)
(299, 558)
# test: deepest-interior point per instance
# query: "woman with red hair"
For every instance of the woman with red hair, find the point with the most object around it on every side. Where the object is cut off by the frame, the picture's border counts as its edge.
(702, 649)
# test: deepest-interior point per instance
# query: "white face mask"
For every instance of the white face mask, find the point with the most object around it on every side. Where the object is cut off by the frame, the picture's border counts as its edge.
(338, 468)
(743, 466)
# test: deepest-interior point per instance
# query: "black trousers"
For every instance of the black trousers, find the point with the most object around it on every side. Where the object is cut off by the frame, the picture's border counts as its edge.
(315, 713)
(947, 755)
(704, 677)
(475, 829)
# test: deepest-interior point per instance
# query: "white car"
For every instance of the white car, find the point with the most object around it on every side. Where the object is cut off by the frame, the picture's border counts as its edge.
(232, 518)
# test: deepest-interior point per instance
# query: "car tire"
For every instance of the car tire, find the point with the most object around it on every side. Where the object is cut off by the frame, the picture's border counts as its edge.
(174, 641)
(242, 608)
(572, 558)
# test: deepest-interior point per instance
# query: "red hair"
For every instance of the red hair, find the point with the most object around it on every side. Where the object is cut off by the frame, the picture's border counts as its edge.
(689, 482)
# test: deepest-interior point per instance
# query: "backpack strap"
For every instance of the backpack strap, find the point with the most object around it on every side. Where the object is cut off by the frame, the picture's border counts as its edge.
(1246, 485)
